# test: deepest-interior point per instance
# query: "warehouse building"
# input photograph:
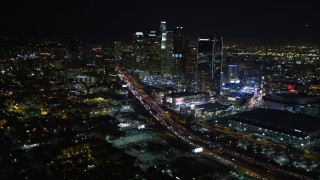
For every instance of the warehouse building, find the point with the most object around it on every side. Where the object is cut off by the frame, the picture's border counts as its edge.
(282, 126)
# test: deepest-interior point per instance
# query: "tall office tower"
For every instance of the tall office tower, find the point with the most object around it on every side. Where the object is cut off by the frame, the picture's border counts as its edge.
(204, 73)
(191, 62)
(178, 43)
(108, 52)
(117, 51)
(167, 59)
(233, 73)
(179, 52)
(169, 44)
(74, 50)
(163, 31)
(139, 50)
(209, 74)
(185, 56)
(217, 68)
(153, 53)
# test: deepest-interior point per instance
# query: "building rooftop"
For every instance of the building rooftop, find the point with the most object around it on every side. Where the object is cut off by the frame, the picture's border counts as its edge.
(239, 94)
(233, 86)
(182, 94)
(291, 98)
(212, 106)
(282, 120)
(292, 95)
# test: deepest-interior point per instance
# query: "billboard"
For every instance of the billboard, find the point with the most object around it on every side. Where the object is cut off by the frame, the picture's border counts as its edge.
(179, 101)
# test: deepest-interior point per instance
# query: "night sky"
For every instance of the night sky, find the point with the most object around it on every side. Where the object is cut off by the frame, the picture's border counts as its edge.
(258, 21)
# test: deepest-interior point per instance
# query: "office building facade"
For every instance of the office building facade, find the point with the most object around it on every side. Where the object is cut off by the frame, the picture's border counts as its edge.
(209, 70)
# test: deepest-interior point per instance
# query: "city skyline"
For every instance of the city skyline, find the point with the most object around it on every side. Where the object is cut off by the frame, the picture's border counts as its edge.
(160, 90)
(265, 22)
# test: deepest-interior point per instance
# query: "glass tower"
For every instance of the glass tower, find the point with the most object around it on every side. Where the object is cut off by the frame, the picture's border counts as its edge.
(209, 73)
(163, 31)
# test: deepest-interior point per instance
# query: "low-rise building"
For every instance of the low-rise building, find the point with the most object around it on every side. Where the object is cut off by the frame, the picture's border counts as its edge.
(185, 99)
(86, 79)
(282, 126)
(209, 109)
(305, 104)
(237, 98)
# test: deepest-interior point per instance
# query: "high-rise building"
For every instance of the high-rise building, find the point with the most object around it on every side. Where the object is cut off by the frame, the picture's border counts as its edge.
(163, 34)
(179, 52)
(108, 52)
(74, 50)
(167, 59)
(233, 73)
(139, 50)
(138, 46)
(191, 64)
(153, 53)
(209, 73)
(169, 44)
(218, 79)
(204, 66)
(117, 51)
(178, 43)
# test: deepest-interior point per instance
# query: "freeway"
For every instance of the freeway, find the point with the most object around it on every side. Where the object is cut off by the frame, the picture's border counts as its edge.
(232, 159)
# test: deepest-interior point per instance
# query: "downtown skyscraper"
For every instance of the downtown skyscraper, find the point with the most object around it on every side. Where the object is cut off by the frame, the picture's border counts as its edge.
(209, 68)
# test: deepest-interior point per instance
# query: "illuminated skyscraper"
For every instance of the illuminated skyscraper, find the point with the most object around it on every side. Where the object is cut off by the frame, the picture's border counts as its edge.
(217, 68)
(204, 64)
(191, 64)
(169, 43)
(153, 53)
(167, 59)
(117, 51)
(138, 45)
(179, 53)
(109, 55)
(163, 31)
(178, 43)
(209, 74)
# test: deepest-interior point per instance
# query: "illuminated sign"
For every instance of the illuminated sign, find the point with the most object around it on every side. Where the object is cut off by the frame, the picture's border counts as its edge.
(198, 150)
(179, 101)
(231, 99)
(204, 39)
(290, 87)
(297, 130)
(176, 55)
